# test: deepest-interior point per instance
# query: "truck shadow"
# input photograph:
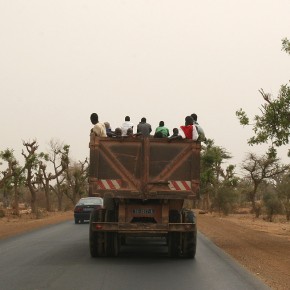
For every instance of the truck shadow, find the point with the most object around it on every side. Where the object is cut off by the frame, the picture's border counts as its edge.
(145, 248)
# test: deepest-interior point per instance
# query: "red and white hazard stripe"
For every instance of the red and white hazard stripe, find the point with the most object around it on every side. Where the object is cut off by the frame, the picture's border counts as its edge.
(109, 183)
(179, 185)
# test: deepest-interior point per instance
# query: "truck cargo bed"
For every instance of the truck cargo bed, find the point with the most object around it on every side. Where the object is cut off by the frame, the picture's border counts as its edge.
(144, 168)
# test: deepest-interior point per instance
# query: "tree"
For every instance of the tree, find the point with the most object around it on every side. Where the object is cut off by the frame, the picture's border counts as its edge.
(76, 183)
(283, 190)
(217, 184)
(7, 173)
(259, 169)
(15, 176)
(273, 125)
(286, 45)
(32, 168)
(59, 157)
(45, 177)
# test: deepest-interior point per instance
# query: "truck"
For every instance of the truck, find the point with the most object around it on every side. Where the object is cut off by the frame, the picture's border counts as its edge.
(148, 186)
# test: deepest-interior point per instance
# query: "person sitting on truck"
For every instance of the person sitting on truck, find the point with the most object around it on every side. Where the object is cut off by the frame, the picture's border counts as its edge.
(118, 133)
(99, 128)
(189, 130)
(130, 132)
(200, 131)
(108, 129)
(175, 134)
(126, 125)
(162, 129)
(144, 128)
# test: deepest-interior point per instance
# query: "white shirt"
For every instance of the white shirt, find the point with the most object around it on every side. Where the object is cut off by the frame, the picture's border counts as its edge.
(126, 125)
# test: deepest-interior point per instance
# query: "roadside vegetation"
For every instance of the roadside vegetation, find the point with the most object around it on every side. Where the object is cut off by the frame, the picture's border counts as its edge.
(53, 181)
(49, 181)
(264, 186)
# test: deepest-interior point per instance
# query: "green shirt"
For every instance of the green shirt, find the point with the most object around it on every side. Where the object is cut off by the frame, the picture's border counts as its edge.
(163, 130)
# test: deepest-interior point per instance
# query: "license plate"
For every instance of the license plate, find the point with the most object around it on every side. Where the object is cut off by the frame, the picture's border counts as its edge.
(88, 209)
(143, 211)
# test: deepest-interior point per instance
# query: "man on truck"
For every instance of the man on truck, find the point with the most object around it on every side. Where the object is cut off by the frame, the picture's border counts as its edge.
(189, 130)
(144, 128)
(99, 128)
(126, 125)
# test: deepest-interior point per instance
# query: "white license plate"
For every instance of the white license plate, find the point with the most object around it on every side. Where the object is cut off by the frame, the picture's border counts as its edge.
(143, 211)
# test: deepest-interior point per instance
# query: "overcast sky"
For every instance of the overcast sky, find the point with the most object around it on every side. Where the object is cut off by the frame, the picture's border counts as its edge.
(61, 60)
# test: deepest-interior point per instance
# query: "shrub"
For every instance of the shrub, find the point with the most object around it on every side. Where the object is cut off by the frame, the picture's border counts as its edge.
(225, 200)
(272, 205)
(2, 213)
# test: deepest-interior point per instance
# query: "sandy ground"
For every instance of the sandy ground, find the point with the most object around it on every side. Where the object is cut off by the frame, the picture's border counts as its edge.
(262, 247)
(13, 225)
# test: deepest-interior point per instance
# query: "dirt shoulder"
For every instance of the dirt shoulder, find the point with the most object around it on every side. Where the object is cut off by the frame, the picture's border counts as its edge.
(13, 225)
(262, 247)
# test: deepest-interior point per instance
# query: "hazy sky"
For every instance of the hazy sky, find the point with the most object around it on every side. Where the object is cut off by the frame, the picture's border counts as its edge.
(61, 60)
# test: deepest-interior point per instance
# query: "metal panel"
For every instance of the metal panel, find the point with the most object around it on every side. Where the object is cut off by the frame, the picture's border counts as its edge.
(144, 167)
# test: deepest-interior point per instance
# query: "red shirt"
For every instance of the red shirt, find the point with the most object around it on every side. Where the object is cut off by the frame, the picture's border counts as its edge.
(187, 131)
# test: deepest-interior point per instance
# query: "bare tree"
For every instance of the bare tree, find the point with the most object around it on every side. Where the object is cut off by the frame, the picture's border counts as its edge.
(7, 173)
(258, 169)
(32, 166)
(57, 154)
(76, 184)
(14, 177)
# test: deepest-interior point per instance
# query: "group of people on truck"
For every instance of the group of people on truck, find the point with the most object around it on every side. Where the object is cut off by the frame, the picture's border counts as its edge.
(190, 130)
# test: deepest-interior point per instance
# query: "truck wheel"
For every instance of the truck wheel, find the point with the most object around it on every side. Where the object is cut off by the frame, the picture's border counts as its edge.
(112, 244)
(93, 236)
(189, 238)
(97, 247)
(112, 238)
(174, 245)
(174, 237)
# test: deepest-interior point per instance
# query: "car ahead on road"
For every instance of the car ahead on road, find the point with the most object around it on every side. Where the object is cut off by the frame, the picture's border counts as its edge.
(85, 206)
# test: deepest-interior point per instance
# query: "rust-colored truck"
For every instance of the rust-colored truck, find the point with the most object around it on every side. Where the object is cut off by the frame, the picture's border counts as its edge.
(146, 184)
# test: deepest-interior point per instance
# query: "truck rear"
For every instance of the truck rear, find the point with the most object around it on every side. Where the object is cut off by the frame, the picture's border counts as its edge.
(146, 184)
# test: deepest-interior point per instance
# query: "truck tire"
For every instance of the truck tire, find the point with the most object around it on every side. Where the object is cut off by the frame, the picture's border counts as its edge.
(97, 246)
(189, 238)
(112, 238)
(112, 244)
(174, 237)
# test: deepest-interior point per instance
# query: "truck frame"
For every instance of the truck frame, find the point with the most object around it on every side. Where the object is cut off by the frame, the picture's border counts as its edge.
(147, 185)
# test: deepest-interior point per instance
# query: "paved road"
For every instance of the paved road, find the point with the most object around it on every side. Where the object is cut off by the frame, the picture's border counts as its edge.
(57, 257)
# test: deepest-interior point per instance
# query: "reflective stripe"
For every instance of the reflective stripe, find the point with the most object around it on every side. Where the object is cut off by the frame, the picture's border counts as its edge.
(109, 183)
(179, 185)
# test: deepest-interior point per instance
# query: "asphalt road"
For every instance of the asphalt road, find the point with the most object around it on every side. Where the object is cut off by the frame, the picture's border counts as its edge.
(57, 257)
